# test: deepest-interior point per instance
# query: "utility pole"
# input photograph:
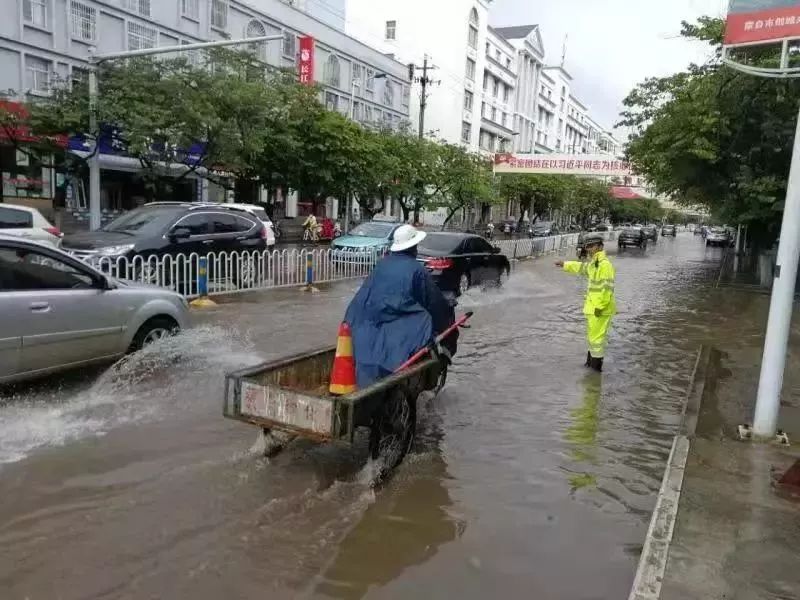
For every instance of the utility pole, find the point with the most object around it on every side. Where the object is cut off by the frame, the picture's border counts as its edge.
(424, 81)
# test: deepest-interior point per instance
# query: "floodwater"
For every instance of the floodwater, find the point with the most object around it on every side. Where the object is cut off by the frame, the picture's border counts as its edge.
(530, 476)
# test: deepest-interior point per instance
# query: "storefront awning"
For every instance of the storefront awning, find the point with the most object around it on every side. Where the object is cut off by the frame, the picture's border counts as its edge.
(625, 193)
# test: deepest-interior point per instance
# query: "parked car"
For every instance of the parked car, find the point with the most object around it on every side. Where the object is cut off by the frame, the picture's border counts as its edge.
(56, 312)
(167, 229)
(718, 236)
(259, 213)
(543, 229)
(28, 223)
(632, 236)
(669, 230)
(508, 226)
(650, 232)
(375, 236)
(459, 261)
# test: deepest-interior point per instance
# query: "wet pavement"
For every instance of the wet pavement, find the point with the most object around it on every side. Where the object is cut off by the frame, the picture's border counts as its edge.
(530, 477)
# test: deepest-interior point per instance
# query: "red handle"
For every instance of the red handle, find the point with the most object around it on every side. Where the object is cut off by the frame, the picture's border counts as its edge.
(445, 334)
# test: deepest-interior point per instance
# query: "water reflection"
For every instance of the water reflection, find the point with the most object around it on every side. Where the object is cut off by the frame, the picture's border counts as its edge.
(410, 520)
(581, 435)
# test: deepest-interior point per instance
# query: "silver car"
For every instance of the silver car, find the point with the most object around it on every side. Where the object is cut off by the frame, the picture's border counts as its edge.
(58, 313)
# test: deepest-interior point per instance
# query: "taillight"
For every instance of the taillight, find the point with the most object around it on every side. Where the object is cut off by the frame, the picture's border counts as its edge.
(263, 232)
(54, 231)
(439, 264)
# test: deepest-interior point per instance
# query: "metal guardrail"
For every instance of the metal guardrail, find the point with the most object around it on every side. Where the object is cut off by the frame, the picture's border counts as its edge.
(232, 272)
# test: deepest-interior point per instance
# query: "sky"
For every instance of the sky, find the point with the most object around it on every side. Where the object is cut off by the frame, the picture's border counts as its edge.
(611, 44)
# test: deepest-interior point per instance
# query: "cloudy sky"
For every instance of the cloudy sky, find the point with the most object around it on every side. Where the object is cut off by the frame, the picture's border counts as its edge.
(612, 44)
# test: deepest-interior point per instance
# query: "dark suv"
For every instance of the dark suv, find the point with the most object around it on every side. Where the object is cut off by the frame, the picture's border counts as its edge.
(169, 229)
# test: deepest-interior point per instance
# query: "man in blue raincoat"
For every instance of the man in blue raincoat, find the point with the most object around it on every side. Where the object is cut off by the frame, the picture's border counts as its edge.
(398, 311)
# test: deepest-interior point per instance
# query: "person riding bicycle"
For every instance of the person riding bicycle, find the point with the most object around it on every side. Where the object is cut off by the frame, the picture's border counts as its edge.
(311, 226)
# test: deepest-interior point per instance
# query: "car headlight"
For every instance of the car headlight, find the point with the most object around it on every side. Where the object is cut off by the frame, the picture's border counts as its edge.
(115, 250)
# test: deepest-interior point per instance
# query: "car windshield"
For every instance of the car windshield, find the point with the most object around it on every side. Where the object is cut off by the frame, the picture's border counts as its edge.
(542, 226)
(143, 220)
(440, 244)
(260, 213)
(632, 230)
(376, 230)
(718, 230)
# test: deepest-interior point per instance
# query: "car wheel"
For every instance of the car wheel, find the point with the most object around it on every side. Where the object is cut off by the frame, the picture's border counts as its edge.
(392, 431)
(152, 331)
(463, 283)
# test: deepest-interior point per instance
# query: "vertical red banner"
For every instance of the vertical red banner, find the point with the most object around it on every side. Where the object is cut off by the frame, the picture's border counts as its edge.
(306, 67)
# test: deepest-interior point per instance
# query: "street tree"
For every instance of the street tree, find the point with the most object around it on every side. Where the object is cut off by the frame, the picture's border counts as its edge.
(714, 137)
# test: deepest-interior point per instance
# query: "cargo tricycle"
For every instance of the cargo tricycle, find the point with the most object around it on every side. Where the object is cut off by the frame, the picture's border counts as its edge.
(290, 395)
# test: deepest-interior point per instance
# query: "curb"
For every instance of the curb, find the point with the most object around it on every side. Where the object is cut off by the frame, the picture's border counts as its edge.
(655, 552)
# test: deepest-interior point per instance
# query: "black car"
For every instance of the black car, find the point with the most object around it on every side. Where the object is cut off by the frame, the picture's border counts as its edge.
(171, 229)
(650, 232)
(459, 261)
(508, 226)
(543, 229)
(669, 230)
(632, 236)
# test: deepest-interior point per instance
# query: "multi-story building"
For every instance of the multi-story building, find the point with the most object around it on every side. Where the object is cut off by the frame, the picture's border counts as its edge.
(499, 94)
(527, 40)
(42, 41)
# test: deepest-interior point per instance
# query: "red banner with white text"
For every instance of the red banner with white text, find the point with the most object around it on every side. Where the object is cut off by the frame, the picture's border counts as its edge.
(306, 67)
(753, 21)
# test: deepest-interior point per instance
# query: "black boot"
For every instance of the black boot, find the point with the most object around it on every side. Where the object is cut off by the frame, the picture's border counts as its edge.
(597, 364)
(588, 362)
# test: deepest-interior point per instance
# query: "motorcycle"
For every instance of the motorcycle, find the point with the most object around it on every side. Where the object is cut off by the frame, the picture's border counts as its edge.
(276, 228)
(489, 233)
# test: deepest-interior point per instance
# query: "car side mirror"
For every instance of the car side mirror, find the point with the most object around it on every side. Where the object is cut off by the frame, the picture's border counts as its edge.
(180, 233)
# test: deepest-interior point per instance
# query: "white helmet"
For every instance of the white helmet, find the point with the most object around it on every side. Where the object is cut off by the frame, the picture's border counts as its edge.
(405, 237)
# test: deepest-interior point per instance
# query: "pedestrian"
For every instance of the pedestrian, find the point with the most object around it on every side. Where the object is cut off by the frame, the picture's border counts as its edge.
(397, 312)
(600, 304)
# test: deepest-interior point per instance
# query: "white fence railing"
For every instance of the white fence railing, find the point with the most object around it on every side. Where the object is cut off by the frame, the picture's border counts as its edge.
(232, 272)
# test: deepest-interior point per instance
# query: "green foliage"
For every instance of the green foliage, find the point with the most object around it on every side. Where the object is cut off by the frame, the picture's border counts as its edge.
(645, 210)
(715, 137)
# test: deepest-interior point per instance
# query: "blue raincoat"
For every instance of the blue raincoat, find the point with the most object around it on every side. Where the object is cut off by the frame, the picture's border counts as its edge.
(398, 311)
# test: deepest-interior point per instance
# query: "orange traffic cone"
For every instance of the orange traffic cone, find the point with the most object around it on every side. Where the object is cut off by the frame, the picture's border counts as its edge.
(343, 374)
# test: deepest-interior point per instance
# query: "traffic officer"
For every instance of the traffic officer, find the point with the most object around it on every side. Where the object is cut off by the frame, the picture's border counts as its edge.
(600, 304)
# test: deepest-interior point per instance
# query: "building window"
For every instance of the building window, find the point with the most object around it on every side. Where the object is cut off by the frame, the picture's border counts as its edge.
(497, 55)
(369, 84)
(38, 71)
(488, 48)
(191, 9)
(485, 81)
(470, 72)
(368, 117)
(496, 88)
(406, 96)
(331, 101)
(34, 12)
(333, 71)
(289, 46)
(84, 21)
(388, 93)
(468, 99)
(466, 132)
(494, 114)
(472, 35)
(256, 29)
(24, 176)
(504, 119)
(508, 63)
(141, 36)
(391, 30)
(192, 56)
(219, 14)
(357, 110)
(141, 7)
(506, 93)
(358, 78)
(483, 109)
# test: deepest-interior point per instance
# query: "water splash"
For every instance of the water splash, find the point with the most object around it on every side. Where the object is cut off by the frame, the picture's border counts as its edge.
(138, 388)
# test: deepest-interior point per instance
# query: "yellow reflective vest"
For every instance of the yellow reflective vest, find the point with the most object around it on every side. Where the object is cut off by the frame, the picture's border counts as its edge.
(600, 276)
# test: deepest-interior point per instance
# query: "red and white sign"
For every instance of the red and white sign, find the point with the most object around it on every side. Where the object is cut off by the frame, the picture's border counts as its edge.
(752, 21)
(306, 67)
(562, 164)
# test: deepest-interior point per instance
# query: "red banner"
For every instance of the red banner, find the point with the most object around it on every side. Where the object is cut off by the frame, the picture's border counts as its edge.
(306, 67)
(765, 25)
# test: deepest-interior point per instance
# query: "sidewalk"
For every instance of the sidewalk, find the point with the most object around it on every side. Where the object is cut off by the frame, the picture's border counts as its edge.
(735, 535)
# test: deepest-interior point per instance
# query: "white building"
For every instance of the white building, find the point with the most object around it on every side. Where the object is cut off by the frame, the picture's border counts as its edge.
(452, 34)
(42, 41)
(527, 40)
(499, 94)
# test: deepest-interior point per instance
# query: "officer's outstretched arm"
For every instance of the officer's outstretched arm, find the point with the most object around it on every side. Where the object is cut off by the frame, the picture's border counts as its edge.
(575, 267)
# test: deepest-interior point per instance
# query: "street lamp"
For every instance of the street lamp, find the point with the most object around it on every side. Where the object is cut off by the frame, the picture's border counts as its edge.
(357, 83)
(94, 61)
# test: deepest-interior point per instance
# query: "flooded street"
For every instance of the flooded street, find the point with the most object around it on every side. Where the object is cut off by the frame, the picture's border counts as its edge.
(530, 476)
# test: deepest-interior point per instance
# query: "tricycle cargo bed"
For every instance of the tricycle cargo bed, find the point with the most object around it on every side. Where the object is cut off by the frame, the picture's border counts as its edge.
(291, 394)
